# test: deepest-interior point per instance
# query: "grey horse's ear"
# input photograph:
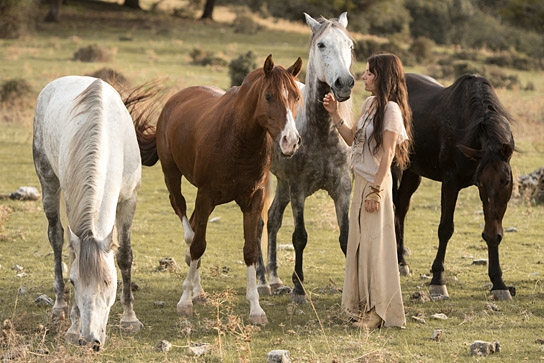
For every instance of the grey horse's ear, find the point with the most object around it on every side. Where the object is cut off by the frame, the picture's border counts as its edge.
(343, 19)
(312, 23)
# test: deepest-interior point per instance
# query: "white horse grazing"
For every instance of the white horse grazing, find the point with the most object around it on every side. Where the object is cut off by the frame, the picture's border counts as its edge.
(85, 146)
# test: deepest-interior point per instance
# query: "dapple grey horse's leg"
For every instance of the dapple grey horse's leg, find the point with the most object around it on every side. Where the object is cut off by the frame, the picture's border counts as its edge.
(275, 218)
(300, 239)
(51, 206)
(262, 285)
(124, 218)
(341, 196)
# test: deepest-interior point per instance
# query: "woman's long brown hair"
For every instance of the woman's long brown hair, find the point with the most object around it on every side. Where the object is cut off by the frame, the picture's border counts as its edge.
(390, 85)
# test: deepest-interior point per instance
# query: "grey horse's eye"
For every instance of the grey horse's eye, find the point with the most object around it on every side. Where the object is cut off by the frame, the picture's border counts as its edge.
(321, 45)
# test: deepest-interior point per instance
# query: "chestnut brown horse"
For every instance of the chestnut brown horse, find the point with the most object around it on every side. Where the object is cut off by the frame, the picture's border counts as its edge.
(221, 142)
(462, 137)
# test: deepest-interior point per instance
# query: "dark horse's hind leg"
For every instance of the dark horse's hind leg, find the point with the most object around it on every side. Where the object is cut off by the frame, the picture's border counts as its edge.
(409, 182)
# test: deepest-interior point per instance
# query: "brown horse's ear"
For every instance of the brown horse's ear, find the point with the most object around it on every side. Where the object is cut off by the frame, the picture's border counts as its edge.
(268, 65)
(506, 151)
(470, 153)
(295, 68)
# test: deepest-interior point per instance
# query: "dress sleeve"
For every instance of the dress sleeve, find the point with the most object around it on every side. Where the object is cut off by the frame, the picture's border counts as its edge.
(393, 121)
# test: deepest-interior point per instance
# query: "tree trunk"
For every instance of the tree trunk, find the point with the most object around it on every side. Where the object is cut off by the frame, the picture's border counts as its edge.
(208, 9)
(133, 4)
(54, 11)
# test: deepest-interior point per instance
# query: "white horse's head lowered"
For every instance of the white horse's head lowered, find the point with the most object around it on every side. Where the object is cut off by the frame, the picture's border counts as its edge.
(331, 54)
(94, 278)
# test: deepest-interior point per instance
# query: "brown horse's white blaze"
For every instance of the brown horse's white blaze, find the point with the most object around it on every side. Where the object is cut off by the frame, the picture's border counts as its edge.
(289, 138)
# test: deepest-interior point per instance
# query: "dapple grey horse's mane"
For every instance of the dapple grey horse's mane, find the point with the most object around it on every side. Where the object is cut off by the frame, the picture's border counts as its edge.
(84, 154)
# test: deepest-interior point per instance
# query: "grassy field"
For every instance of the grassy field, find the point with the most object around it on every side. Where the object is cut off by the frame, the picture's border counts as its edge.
(315, 332)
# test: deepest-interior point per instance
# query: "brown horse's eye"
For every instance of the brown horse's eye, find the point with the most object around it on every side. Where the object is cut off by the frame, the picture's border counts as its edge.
(268, 97)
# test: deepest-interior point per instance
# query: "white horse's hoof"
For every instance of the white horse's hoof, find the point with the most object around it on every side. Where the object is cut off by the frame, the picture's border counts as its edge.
(185, 309)
(258, 319)
(405, 270)
(199, 299)
(501, 295)
(133, 326)
(264, 290)
(438, 290)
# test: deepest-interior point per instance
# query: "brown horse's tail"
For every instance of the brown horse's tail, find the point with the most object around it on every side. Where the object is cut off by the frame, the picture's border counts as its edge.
(142, 116)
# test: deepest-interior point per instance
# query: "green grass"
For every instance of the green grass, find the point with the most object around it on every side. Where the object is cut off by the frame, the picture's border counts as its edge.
(315, 332)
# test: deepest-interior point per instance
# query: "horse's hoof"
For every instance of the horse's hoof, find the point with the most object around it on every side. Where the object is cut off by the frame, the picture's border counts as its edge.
(200, 299)
(131, 326)
(264, 290)
(405, 270)
(258, 319)
(72, 338)
(185, 309)
(60, 314)
(297, 298)
(276, 286)
(501, 294)
(438, 290)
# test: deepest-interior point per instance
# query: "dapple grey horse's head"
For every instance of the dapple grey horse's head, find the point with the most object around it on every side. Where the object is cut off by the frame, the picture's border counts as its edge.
(331, 54)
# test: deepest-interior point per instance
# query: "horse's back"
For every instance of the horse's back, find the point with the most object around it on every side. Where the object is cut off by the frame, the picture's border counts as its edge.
(63, 112)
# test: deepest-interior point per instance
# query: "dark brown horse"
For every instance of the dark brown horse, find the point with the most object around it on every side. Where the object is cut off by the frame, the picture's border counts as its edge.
(462, 137)
(221, 142)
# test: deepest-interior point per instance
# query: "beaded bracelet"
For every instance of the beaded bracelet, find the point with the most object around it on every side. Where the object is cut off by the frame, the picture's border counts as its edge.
(340, 123)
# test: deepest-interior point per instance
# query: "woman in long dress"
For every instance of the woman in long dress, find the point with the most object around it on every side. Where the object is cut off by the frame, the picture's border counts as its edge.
(381, 136)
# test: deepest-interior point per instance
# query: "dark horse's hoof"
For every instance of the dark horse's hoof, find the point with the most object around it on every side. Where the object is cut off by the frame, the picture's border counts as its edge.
(297, 298)
(502, 295)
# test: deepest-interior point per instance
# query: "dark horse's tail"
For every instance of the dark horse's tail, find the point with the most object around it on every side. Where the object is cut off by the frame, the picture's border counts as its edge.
(141, 117)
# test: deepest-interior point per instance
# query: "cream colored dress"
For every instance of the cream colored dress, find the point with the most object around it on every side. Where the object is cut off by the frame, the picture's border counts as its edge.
(372, 277)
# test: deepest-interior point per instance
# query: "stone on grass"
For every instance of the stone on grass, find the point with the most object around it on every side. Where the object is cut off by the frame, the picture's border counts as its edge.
(278, 356)
(164, 346)
(479, 347)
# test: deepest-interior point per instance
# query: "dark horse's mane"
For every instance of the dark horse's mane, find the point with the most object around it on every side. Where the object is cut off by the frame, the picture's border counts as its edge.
(489, 123)
(487, 112)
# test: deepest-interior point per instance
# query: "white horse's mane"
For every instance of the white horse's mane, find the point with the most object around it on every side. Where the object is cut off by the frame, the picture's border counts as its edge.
(84, 169)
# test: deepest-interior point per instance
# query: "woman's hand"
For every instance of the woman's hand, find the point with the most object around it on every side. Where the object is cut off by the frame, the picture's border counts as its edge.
(372, 205)
(330, 103)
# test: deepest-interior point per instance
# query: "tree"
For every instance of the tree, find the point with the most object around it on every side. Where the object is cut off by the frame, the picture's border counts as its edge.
(133, 4)
(54, 11)
(208, 9)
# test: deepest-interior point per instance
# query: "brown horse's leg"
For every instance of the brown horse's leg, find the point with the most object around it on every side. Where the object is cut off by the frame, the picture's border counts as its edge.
(251, 221)
(192, 290)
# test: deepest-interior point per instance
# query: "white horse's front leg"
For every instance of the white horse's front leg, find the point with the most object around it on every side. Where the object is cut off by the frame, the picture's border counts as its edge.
(185, 304)
(74, 332)
(256, 313)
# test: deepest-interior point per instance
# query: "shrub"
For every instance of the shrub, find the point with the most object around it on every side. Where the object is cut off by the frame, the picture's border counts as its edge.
(245, 24)
(240, 67)
(14, 89)
(93, 53)
(422, 48)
